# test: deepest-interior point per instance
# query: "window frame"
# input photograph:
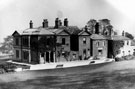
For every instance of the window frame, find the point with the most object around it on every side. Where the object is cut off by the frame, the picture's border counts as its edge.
(97, 43)
(63, 41)
(25, 55)
(84, 40)
(17, 54)
(17, 41)
(25, 41)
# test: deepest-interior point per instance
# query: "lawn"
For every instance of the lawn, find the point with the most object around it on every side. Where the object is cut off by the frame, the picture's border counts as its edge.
(122, 79)
(121, 76)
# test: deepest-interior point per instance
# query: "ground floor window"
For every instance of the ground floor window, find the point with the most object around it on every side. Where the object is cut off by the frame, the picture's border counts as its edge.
(25, 55)
(74, 56)
(17, 53)
(100, 52)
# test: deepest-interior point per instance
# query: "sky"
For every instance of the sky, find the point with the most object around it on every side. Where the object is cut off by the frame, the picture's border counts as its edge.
(16, 14)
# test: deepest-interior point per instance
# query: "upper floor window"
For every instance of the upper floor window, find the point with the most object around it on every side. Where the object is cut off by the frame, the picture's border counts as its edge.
(103, 43)
(25, 55)
(84, 40)
(84, 51)
(25, 41)
(127, 42)
(63, 41)
(97, 44)
(16, 41)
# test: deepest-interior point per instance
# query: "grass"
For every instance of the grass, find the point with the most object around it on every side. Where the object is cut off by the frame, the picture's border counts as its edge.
(123, 79)
(115, 79)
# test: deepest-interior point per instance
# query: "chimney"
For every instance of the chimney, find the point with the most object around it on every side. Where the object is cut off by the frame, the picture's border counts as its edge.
(57, 23)
(86, 28)
(97, 28)
(66, 22)
(123, 33)
(60, 23)
(31, 24)
(45, 23)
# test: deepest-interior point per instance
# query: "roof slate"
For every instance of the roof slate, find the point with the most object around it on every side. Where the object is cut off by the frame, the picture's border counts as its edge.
(119, 37)
(97, 37)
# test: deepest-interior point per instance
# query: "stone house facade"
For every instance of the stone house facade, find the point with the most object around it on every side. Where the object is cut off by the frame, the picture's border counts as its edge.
(99, 45)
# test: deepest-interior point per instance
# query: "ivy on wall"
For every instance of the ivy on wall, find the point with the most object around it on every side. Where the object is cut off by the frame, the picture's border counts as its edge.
(116, 47)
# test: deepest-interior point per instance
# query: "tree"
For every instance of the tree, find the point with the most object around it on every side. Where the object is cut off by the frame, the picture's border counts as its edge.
(91, 25)
(7, 45)
(129, 35)
(46, 44)
(105, 22)
(116, 47)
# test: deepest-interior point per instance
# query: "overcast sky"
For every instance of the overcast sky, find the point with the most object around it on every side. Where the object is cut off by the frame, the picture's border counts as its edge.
(16, 14)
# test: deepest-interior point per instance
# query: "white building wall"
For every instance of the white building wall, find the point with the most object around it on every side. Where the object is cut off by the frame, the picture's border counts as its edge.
(127, 49)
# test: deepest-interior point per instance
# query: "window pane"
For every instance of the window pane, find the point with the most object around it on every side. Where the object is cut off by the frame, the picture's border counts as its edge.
(97, 44)
(16, 41)
(84, 40)
(25, 54)
(17, 53)
(63, 41)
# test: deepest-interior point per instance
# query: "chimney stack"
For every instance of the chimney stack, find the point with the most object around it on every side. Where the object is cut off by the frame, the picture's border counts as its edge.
(97, 28)
(45, 23)
(86, 28)
(123, 33)
(66, 22)
(31, 24)
(57, 23)
(60, 23)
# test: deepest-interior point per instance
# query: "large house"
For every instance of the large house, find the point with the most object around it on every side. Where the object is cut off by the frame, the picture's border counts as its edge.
(59, 43)
(34, 43)
(51, 44)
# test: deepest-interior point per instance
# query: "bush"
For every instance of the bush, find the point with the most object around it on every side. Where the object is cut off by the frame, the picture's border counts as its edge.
(129, 57)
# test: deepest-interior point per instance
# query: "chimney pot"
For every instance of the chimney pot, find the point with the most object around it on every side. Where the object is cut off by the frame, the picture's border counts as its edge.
(60, 23)
(86, 28)
(66, 22)
(31, 24)
(45, 23)
(97, 28)
(57, 23)
(123, 33)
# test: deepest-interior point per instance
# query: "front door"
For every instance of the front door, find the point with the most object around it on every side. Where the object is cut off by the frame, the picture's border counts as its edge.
(99, 52)
(51, 57)
(47, 57)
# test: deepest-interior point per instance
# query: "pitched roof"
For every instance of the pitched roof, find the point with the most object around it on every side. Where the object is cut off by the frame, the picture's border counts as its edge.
(76, 32)
(37, 31)
(82, 31)
(97, 37)
(49, 31)
(17, 32)
(58, 31)
(119, 37)
(69, 29)
(29, 31)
